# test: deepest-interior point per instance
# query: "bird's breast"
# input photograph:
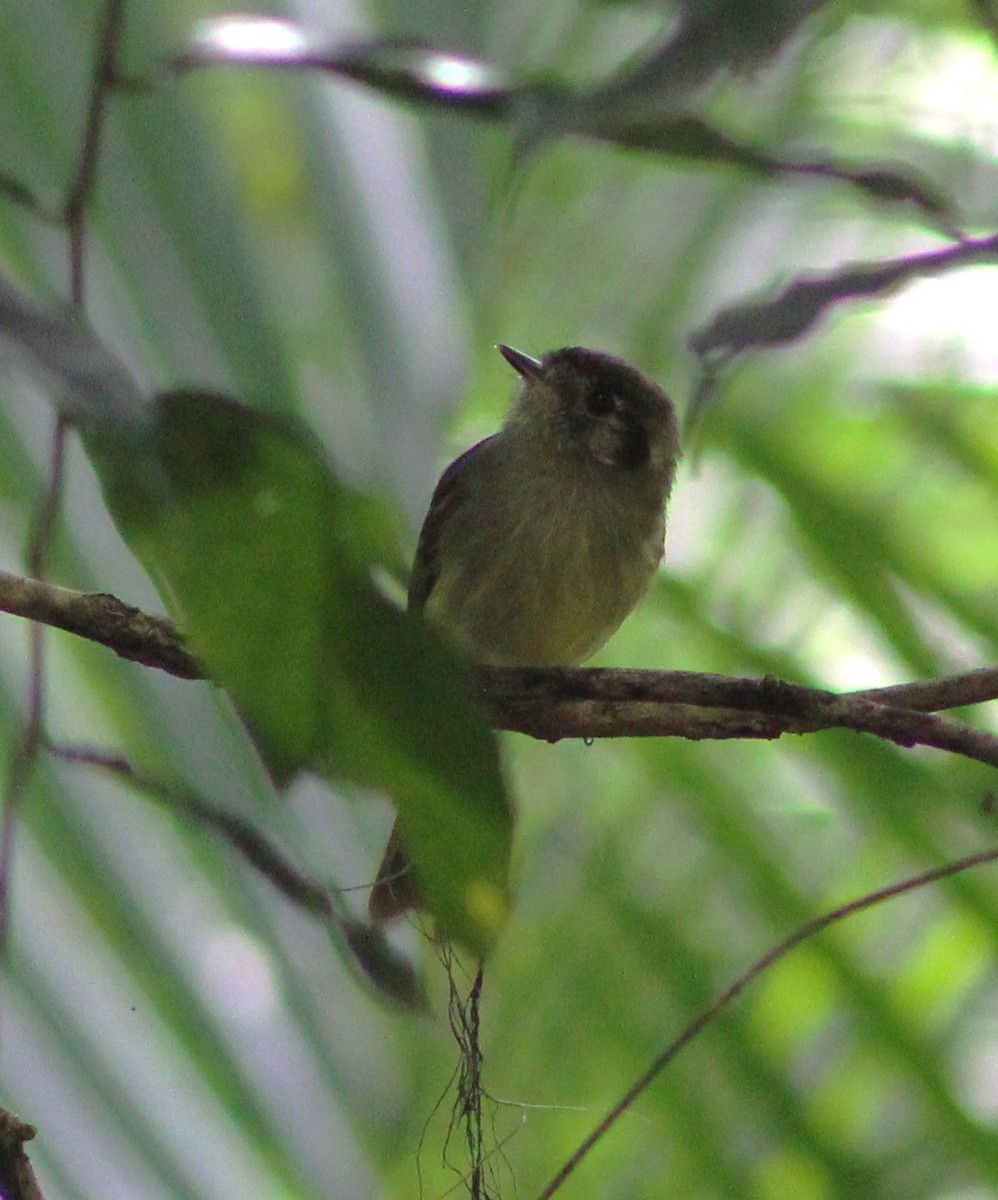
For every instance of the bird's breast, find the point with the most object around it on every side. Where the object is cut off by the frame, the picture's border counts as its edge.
(549, 589)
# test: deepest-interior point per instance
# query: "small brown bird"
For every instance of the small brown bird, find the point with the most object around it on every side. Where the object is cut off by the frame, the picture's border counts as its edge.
(541, 539)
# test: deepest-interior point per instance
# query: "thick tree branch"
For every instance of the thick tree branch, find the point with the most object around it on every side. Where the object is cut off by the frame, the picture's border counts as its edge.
(593, 702)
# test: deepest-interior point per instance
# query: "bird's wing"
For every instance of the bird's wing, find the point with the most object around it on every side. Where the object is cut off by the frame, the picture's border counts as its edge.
(447, 497)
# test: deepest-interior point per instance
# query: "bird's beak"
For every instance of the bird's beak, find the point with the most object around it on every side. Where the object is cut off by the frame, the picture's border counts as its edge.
(522, 364)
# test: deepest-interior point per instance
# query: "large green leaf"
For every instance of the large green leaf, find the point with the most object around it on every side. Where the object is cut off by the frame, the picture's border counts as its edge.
(255, 546)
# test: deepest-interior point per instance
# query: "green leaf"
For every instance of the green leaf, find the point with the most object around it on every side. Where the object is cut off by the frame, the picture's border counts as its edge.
(252, 542)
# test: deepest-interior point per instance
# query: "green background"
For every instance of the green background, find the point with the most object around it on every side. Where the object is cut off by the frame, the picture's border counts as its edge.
(171, 1025)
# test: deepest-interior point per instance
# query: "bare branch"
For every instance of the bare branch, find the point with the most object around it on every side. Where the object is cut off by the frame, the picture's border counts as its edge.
(149, 640)
(956, 691)
(580, 702)
(302, 891)
(85, 178)
(601, 702)
(643, 107)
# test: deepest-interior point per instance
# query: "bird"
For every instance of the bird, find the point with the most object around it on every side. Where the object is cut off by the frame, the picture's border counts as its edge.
(542, 538)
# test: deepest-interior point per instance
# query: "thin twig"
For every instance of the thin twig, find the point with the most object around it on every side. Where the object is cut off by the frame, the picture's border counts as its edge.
(369, 952)
(85, 178)
(616, 111)
(717, 1007)
(25, 754)
(46, 519)
(302, 891)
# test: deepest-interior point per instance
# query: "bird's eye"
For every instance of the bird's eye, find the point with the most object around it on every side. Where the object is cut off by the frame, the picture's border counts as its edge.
(600, 401)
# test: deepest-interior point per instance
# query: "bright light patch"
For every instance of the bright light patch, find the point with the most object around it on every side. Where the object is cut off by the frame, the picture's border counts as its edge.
(942, 326)
(952, 91)
(237, 976)
(933, 85)
(943, 88)
(457, 74)
(250, 38)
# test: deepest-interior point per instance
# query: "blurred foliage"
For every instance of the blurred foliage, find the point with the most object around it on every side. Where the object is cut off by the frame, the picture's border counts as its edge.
(312, 247)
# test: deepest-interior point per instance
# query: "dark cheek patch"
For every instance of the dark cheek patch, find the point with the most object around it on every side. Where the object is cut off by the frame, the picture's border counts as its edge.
(622, 444)
(633, 450)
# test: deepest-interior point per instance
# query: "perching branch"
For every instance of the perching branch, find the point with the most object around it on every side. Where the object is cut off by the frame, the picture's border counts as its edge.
(579, 702)
(599, 702)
